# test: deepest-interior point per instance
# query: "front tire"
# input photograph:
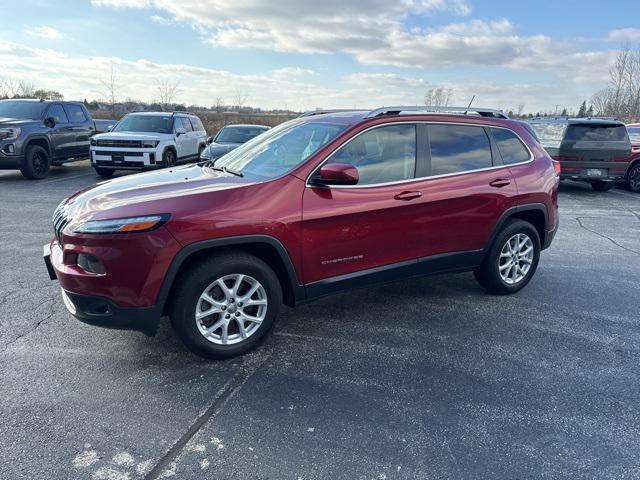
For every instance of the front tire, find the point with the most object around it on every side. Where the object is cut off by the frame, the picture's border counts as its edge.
(601, 186)
(36, 163)
(225, 305)
(169, 158)
(633, 178)
(512, 260)
(104, 172)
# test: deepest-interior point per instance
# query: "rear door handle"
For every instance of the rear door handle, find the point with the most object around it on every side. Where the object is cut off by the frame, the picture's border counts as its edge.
(500, 182)
(408, 195)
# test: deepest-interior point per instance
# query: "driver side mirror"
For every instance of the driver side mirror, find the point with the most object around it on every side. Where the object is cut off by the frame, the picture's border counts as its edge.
(180, 131)
(110, 127)
(337, 174)
(209, 140)
(49, 122)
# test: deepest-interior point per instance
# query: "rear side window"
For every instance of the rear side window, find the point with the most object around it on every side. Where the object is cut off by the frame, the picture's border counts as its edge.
(596, 133)
(458, 148)
(381, 155)
(57, 112)
(197, 124)
(510, 146)
(75, 113)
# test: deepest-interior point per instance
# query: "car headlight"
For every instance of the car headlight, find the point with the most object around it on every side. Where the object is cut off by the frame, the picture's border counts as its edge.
(10, 133)
(150, 143)
(94, 142)
(122, 225)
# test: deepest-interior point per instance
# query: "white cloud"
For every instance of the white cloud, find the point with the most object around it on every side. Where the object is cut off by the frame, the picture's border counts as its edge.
(44, 31)
(624, 35)
(79, 77)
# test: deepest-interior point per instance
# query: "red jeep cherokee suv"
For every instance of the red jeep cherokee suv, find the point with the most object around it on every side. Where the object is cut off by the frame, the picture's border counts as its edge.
(319, 204)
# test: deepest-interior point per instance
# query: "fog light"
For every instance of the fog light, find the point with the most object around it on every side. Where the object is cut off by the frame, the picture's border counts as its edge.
(11, 148)
(90, 264)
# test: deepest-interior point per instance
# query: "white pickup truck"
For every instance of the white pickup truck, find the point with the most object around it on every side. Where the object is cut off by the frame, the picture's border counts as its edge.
(148, 140)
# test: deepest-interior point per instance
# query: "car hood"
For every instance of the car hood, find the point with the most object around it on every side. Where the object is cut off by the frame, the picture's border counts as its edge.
(160, 191)
(218, 149)
(8, 122)
(130, 136)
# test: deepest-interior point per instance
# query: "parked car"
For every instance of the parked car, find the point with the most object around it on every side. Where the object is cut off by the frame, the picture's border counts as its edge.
(593, 150)
(36, 134)
(148, 140)
(633, 173)
(316, 205)
(229, 138)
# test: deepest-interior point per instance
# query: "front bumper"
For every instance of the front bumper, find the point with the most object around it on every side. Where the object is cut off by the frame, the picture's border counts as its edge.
(10, 162)
(126, 158)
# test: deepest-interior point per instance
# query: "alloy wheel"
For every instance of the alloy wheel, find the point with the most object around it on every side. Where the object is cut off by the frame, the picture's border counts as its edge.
(231, 309)
(516, 258)
(634, 179)
(39, 163)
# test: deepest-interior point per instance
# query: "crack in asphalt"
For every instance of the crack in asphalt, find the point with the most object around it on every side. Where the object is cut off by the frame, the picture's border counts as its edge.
(226, 393)
(7, 345)
(579, 220)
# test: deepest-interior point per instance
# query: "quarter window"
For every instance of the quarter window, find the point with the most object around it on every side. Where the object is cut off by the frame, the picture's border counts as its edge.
(384, 154)
(57, 113)
(75, 113)
(458, 148)
(510, 146)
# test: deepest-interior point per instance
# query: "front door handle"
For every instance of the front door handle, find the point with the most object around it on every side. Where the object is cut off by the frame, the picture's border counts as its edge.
(408, 195)
(500, 182)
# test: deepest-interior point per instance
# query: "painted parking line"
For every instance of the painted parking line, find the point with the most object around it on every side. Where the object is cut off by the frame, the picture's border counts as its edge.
(57, 180)
(626, 194)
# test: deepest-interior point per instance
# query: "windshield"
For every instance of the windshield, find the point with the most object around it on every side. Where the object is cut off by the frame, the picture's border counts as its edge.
(549, 134)
(145, 123)
(596, 133)
(634, 134)
(280, 149)
(238, 134)
(22, 110)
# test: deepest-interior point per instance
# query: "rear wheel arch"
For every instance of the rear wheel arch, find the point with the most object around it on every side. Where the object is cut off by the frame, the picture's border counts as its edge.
(533, 213)
(266, 248)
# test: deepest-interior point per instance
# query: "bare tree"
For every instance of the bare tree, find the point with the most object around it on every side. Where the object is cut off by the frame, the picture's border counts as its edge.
(618, 78)
(167, 92)
(111, 89)
(241, 98)
(520, 109)
(438, 97)
(219, 105)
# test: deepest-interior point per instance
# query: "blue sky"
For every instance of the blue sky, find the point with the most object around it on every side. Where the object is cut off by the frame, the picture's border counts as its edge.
(305, 54)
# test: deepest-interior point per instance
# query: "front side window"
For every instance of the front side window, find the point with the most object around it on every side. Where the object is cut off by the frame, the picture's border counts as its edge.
(510, 146)
(145, 124)
(458, 149)
(57, 113)
(381, 155)
(75, 113)
(280, 149)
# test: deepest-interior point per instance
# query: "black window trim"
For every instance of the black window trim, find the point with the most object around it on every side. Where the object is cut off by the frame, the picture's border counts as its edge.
(421, 159)
(47, 115)
(64, 107)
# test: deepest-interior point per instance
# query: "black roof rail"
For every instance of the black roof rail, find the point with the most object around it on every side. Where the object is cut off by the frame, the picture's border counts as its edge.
(430, 110)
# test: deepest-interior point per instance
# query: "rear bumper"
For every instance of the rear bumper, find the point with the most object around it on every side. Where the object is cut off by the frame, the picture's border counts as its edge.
(548, 238)
(586, 170)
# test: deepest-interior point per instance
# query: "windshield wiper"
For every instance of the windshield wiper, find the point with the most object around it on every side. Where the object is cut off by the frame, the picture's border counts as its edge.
(226, 170)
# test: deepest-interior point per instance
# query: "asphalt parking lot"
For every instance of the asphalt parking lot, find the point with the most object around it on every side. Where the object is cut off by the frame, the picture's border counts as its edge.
(415, 380)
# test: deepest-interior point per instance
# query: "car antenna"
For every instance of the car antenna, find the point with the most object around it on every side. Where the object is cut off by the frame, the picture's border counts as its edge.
(469, 106)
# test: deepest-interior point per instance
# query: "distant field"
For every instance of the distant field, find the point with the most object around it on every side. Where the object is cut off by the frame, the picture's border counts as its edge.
(214, 121)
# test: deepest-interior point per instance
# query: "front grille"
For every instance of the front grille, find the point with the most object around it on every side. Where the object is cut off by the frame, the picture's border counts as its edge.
(105, 153)
(60, 220)
(119, 143)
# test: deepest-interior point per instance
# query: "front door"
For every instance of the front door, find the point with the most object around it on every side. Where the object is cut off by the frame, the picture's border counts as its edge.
(350, 229)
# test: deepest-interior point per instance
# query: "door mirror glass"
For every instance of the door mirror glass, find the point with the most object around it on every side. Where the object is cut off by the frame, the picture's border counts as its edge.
(49, 122)
(180, 131)
(337, 174)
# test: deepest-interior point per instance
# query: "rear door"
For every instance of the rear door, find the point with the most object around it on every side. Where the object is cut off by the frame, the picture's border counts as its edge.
(184, 144)
(81, 128)
(63, 137)
(348, 229)
(466, 188)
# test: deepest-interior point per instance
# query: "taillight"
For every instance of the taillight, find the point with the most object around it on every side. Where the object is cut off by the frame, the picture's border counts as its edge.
(559, 158)
(556, 167)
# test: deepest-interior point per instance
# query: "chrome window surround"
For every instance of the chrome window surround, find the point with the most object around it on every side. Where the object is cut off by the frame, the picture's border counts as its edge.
(416, 179)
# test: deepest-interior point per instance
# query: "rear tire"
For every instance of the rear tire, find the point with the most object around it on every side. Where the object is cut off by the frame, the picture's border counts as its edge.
(239, 319)
(633, 178)
(503, 253)
(104, 172)
(601, 186)
(36, 163)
